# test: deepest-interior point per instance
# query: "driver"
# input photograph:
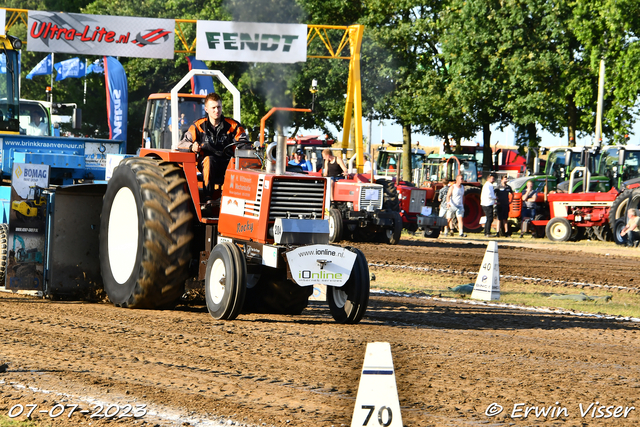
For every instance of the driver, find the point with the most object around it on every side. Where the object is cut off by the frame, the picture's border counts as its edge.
(208, 137)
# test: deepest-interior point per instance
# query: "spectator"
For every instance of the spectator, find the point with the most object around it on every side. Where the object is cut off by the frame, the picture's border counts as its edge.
(529, 207)
(367, 164)
(504, 190)
(299, 159)
(488, 201)
(632, 229)
(455, 203)
(444, 212)
(36, 126)
(333, 166)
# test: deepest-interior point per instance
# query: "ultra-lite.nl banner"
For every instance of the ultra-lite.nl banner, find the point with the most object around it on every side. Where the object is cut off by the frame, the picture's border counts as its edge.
(251, 42)
(100, 35)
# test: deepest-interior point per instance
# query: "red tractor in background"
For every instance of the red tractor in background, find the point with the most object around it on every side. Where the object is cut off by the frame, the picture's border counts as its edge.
(418, 206)
(357, 210)
(262, 249)
(436, 167)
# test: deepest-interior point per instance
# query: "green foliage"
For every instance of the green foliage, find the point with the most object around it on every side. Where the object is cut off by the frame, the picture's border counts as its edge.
(446, 67)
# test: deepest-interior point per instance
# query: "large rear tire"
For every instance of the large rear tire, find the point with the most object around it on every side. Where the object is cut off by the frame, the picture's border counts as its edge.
(348, 303)
(335, 225)
(472, 210)
(617, 228)
(559, 230)
(390, 198)
(619, 209)
(145, 234)
(392, 235)
(225, 281)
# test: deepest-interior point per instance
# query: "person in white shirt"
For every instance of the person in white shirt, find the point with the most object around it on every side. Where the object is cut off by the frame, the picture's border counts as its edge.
(455, 203)
(488, 201)
(36, 126)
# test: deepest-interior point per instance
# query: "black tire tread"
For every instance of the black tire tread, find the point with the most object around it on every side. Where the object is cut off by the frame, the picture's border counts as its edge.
(390, 199)
(167, 233)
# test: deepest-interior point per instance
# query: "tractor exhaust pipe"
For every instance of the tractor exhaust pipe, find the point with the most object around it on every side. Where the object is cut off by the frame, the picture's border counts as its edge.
(281, 155)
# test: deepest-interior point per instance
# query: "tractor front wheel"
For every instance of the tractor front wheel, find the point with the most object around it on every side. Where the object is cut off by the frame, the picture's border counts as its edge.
(225, 282)
(559, 230)
(392, 235)
(348, 303)
(335, 225)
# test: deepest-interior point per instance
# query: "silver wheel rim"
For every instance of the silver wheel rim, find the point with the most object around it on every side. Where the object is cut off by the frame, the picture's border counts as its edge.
(217, 280)
(340, 297)
(123, 235)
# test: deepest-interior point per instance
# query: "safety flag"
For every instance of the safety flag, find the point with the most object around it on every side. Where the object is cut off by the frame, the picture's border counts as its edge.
(95, 67)
(43, 68)
(117, 98)
(200, 85)
(73, 67)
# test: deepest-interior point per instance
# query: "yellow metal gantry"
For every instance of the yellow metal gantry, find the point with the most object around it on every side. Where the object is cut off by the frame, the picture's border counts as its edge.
(325, 35)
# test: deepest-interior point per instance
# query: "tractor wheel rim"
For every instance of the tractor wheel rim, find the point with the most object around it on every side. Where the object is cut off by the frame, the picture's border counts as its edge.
(123, 235)
(217, 281)
(340, 297)
(558, 231)
(332, 226)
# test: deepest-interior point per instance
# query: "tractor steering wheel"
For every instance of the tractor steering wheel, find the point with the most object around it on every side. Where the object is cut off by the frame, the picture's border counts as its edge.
(228, 150)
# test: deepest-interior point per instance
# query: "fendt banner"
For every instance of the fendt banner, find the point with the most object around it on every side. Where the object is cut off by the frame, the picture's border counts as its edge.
(100, 35)
(251, 42)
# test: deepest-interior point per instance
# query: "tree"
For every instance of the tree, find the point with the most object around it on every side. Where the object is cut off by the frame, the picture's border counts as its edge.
(405, 33)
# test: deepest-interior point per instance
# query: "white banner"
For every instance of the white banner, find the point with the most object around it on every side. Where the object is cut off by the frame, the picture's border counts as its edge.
(3, 20)
(82, 34)
(251, 42)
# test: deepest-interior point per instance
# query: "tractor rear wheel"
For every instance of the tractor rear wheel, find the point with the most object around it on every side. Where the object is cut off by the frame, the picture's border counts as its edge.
(145, 234)
(619, 210)
(559, 230)
(392, 235)
(225, 282)
(4, 238)
(335, 225)
(617, 228)
(390, 198)
(472, 210)
(348, 303)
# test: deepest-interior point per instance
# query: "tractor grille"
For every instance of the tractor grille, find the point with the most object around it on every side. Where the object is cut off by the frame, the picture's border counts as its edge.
(296, 198)
(370, 198)
(417, 200)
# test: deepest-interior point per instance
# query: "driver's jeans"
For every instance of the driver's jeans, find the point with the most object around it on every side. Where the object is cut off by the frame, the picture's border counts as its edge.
(213, 169)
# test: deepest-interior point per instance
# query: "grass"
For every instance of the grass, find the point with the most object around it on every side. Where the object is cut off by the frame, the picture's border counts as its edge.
(10, 422)
(528, 294)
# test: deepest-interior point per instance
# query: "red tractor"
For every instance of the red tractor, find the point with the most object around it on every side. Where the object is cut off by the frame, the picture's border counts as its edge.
(357, 212)
(571, 215)
(418, 207)
(436, 167)
(261, 250)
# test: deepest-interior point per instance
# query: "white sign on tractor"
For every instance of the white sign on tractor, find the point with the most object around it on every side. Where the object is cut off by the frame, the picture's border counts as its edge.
(320, 264)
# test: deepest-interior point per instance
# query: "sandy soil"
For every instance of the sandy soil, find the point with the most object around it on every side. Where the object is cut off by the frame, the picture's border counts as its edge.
(452, 361)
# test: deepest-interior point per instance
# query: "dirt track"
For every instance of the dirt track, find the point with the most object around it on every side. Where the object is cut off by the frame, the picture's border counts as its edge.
(452, 361)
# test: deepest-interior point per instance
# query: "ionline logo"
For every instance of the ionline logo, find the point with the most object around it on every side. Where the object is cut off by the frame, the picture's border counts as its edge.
(307, 274)
(242, 41)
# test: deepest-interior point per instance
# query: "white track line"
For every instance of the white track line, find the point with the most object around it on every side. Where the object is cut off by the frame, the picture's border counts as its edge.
(503, 276)
(510, 306)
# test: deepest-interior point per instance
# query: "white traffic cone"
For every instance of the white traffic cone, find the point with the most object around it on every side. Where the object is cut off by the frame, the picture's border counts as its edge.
(377, 401)
(487, 285)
